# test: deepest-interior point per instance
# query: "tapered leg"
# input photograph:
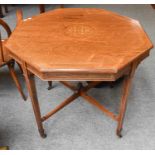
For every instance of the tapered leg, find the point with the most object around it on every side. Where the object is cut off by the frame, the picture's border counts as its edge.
(14, 77)
(1, 12)
(61, 5)
(123, 104)
(30, 82)
(49, 85)
(6, 8)
(20, 68)
(42, 8)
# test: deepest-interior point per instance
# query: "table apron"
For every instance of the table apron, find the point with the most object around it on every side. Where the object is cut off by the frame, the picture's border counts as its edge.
(80, 75)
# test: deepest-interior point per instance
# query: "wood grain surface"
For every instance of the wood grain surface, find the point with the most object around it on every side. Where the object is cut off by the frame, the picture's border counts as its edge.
(78, 42)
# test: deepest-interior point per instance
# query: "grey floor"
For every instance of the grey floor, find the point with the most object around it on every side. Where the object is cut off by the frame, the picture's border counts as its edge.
(80, 125)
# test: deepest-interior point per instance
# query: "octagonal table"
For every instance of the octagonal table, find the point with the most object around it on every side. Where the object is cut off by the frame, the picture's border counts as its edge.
(79, 44)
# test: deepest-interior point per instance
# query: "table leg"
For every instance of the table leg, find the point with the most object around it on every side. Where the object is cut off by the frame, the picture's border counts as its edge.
(15, 79)
(49, 85)
(6, 8)
(1, 12)
(20, 68)
(123, 104)
(61, 5)
(30, 82)
(42, 8)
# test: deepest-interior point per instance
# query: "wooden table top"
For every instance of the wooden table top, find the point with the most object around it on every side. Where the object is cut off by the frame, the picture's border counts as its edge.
(79, 40)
